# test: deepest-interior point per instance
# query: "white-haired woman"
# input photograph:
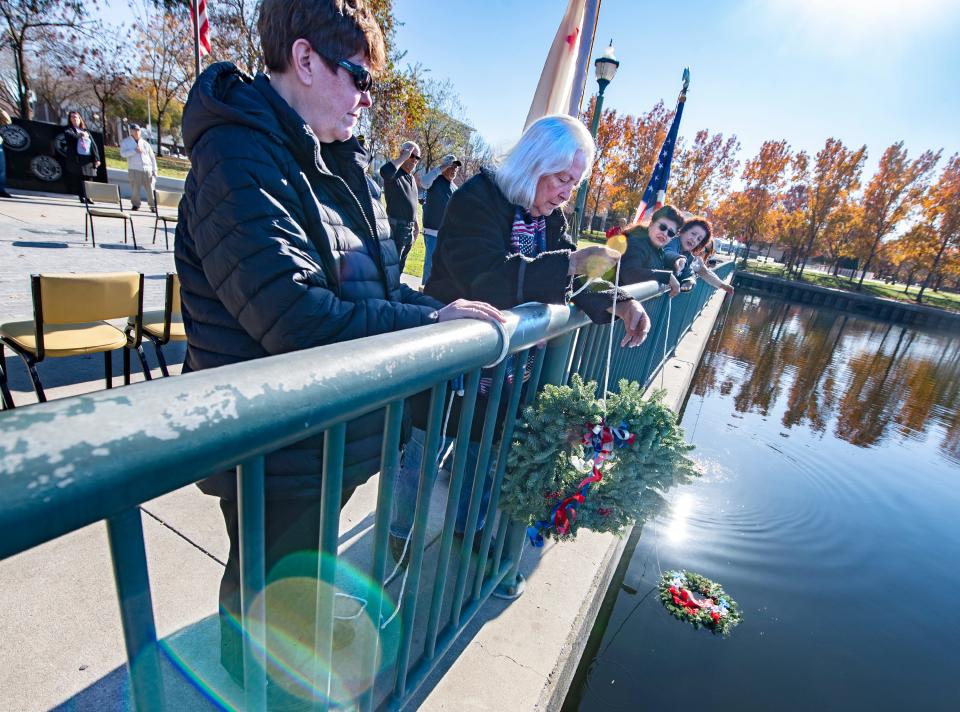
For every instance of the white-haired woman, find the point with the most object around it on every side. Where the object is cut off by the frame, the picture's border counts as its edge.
(504, 241)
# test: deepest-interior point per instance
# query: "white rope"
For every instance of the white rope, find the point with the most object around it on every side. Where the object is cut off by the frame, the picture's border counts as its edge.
(613, 319)
(586, 284)
(406, 542)
(666, 338)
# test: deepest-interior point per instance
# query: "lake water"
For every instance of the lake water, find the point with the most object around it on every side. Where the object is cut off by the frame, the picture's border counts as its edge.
(830, 510)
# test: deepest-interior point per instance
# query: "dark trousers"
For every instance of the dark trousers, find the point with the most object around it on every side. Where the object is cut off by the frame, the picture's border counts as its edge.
(403, 236)
(291, 540)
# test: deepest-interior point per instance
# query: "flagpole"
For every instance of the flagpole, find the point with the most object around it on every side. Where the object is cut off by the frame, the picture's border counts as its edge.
(590, 14)
(195, 10)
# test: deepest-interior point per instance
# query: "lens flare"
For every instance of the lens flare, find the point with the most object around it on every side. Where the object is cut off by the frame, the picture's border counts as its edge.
(295, 669)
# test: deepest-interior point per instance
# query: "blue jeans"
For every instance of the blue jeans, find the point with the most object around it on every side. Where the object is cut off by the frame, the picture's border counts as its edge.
(430, 244)
(408, 481)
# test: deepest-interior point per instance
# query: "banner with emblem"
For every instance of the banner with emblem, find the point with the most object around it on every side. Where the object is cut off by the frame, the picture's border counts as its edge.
(36, 155)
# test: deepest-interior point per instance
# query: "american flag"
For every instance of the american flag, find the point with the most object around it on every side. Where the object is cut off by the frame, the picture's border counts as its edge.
(656, 193)
(200, 7)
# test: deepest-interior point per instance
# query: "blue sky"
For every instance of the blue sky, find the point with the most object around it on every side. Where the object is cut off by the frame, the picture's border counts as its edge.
(864, 71)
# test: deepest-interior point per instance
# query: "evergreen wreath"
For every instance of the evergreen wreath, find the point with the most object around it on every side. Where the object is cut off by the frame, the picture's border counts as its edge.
(717, 611)
(549, 473)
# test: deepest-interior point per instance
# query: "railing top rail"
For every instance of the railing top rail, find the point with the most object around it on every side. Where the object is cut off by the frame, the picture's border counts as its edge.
(67, 463)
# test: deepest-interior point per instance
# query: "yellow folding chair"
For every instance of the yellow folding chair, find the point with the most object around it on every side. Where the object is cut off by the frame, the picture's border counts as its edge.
(165, 199)
(69, 313)
(164, 325)
(108, 195)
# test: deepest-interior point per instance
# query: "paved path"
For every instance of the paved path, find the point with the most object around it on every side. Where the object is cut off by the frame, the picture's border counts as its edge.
(44, 232)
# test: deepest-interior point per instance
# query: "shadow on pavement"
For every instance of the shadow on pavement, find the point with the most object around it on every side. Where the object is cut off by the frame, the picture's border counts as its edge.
(43, 245)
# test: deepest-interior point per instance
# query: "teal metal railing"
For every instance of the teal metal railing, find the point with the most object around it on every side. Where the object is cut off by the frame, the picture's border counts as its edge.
(72, 462)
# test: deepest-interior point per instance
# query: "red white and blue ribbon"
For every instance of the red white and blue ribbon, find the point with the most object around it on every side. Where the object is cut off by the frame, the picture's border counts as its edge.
(599, 443)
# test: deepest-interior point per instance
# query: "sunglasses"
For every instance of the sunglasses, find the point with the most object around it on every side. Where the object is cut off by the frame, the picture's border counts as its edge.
(414, 156)
(665, 228)
(362, 79)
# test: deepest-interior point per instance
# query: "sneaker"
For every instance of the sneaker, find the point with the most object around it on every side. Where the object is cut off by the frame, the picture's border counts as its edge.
(134, 207)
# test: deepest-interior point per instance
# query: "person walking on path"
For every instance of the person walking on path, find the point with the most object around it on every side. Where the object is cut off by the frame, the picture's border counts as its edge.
(400, 190)
(440, 186)
(83, 156)
(141, 167)
(5, 120)
(280, 248)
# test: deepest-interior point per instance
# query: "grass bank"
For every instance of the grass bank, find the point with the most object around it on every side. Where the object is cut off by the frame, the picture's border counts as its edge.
(941, 300)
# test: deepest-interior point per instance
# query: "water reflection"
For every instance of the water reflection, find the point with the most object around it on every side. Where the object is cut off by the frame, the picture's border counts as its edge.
(864, 381)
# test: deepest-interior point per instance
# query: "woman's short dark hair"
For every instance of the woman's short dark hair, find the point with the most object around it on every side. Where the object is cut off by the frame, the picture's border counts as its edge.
(336, 29)
(83, 124)
(670, 213)
(698, 221)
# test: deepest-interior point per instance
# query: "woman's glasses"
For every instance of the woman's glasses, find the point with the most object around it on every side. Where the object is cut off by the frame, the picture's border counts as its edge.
(362, 78)
(667, 229)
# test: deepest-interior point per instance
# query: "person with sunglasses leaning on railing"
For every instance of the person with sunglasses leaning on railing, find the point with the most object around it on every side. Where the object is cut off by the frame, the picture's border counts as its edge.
(402, 195)
(280, 247)
(646, 250)
(504, 240)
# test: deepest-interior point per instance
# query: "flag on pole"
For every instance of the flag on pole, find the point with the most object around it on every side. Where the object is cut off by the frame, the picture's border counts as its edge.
(199, 7)
(556, 80)
(656, 193)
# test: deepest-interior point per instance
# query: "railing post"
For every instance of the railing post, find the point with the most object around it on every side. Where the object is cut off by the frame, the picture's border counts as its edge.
(554, 372)
(125, 532)
(250, 510)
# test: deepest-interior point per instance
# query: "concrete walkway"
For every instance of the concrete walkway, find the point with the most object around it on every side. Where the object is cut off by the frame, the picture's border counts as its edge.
(44, 232)
(62, 644)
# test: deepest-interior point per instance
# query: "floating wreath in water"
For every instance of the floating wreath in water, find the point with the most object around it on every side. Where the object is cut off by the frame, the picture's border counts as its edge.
(699, 601)
(570, 466)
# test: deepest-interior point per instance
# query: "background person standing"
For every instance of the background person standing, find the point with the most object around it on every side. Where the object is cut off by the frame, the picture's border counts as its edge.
(83, 156)
(439, 185)
(400, 190)
(141, 167)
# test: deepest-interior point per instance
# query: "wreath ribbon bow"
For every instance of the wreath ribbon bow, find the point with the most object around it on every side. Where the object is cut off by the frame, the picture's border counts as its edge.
(602, 440)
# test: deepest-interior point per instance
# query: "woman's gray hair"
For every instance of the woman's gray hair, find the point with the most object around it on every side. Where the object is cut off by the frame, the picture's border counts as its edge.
(548, 146)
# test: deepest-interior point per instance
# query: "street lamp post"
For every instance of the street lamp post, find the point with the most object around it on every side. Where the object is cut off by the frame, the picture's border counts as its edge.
(606, 68)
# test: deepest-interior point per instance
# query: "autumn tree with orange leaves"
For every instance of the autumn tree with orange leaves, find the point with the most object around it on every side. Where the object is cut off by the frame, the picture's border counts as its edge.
(894, 191)
(746, 213)
(942, 205)
(703, 172)
(836, 173)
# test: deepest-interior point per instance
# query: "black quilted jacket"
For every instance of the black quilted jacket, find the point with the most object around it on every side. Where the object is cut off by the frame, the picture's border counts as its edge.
(279, 248)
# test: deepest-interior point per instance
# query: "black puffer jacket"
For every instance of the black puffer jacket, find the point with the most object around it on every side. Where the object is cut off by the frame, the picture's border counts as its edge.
(474, 258)
(280, 248)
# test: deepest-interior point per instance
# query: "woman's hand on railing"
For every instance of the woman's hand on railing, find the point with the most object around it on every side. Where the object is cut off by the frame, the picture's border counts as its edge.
(679, 265)
(674, 285)
(593, 261)
(467, 309)
(636, 323)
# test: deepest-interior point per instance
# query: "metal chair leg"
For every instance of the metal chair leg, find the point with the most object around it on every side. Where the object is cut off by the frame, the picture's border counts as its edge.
(124, 232)
(156, 221)
(161, 360)
(35, 377)
(143, 364)
(126, 366)
(108, 368)
(86, 220)
(133, 234)
(93, 234)
(5, 397)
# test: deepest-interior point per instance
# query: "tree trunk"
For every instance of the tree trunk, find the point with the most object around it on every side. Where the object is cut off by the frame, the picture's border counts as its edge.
(23, 82)
(935, 268)
(866, 265)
